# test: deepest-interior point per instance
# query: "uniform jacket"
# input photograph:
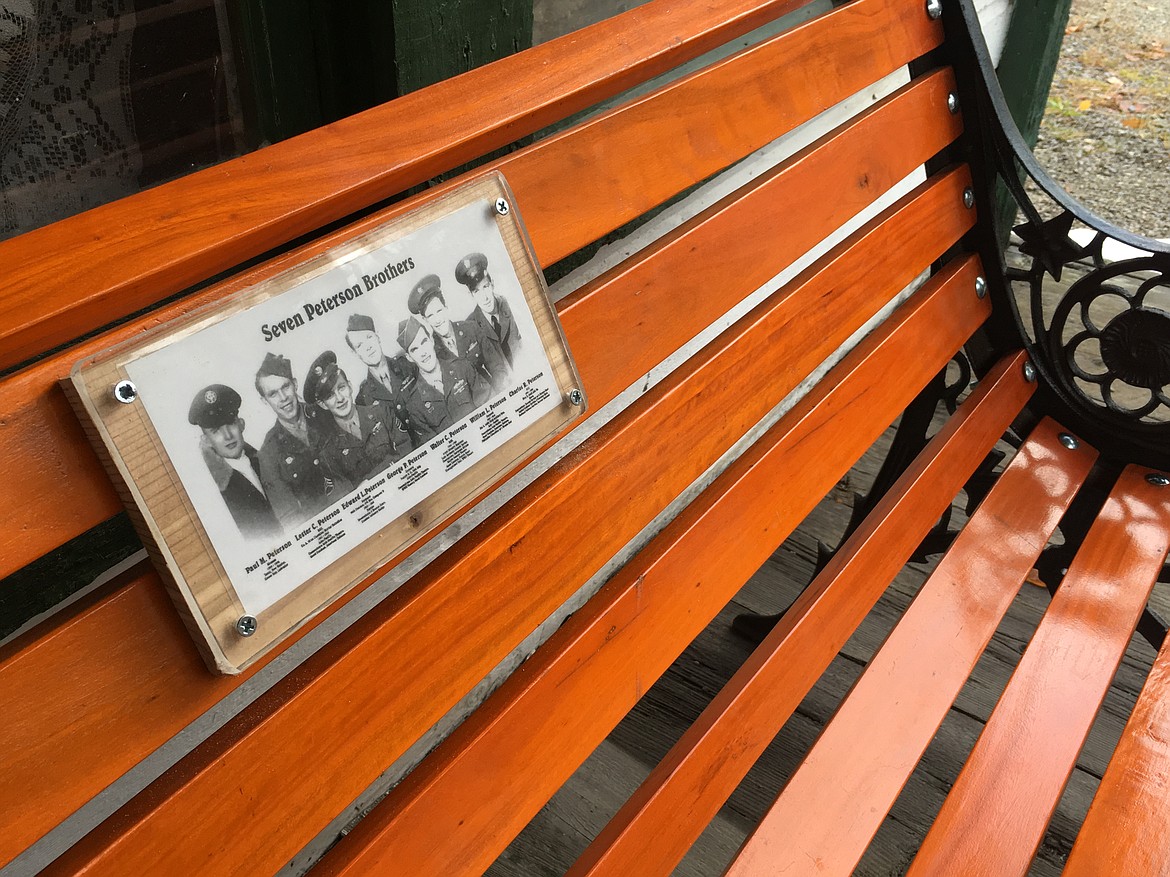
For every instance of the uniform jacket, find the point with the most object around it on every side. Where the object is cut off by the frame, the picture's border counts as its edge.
(249, 507)
(402, 378)
(383, 441)
(481, 350)
(464, 390)
(509, 335)
(298, 485)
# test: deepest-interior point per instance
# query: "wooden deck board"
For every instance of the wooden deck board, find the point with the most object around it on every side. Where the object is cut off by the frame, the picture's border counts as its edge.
(563, 829)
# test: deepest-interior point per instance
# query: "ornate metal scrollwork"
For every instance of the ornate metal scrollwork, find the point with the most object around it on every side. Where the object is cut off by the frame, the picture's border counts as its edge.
(1100, 343)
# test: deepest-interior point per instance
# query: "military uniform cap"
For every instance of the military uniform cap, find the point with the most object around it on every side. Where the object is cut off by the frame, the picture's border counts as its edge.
(471, 269)
(274, 364)
(408, 330)
(360, 323)
(322, 377)
(423, 292)
(216, 405)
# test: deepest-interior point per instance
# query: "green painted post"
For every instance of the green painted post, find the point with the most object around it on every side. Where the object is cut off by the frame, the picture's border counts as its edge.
(1025, 72)
(437, 39)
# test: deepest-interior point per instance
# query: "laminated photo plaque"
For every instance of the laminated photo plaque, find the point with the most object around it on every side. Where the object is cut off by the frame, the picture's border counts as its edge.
(277, 447)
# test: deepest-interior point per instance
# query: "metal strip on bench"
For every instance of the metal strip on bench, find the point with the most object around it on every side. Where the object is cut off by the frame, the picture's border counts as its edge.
(571, 188)
(140, 680)
(654, 829)
(462, 807)
(1127, 829)
(834, 803)
(447, 628)
(994, 818)
(74, 276)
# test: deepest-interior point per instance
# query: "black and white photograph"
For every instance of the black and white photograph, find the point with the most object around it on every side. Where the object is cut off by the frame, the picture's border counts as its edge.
(309, 421)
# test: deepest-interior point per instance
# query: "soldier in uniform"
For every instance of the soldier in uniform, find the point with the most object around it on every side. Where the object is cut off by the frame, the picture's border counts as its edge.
(389, 377)
(462, 339)
(363, 439)
(291, 471)
(233, 463)
(447, 390)
(492, 312)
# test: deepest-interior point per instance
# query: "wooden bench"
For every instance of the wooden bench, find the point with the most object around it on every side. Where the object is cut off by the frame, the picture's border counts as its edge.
(728, 403)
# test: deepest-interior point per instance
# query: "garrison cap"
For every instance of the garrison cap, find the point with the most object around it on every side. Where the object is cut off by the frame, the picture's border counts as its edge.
(322, 377)
(423, 292)
(471, 269)
(216, 405)
(359, 323)
(275, 364)
(408, 330)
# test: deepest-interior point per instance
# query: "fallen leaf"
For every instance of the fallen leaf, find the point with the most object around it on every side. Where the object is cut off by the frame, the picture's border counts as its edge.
(1133, 122)
(1084, 104)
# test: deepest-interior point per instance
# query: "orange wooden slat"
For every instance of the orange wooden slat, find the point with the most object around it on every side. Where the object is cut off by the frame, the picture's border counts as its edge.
(43, 449)
(657, 825)
(1127, 829)
(545, 721)
(994, 818)
(341, 716)
(161, 685)
(826, 815)
(84, 272)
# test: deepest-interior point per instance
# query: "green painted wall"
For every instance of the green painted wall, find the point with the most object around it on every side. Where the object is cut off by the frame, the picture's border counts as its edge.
(1025, 72)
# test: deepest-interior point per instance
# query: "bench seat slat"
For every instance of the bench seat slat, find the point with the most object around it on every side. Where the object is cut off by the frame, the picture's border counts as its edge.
(458, 811)
(1127, 829)
(338, 714)
(130, 714)
(835, 801)
(868, 157)
(994, 817)
(654, 829)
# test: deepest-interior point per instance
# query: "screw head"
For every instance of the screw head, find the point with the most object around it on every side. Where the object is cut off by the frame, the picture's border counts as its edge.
(968, 198)
(125, 392)
(576, 397)
(934, 8)
(1069, 441)
(502, 207)
(981, 287)
(953, 103)
(1158, 479)
(246, 625)
(1029, 372)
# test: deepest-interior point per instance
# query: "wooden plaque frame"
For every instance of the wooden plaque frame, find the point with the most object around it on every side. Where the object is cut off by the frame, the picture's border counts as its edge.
(152, 466)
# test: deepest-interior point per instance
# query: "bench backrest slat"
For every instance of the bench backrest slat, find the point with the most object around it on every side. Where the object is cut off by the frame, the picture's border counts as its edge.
(168, 687)
(68, 278)
(502, 765)
(638, 156)
(520, 564)
(975, 582)
(999, 807)
(662, 819)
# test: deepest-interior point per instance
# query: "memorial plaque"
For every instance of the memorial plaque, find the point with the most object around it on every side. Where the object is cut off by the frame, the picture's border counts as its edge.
(277, 447)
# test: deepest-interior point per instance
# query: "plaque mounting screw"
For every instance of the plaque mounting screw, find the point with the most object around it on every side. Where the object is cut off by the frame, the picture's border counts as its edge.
(1158, 479)
(576, 397)
(934, 8)
(1069, 441)
(953, 103)
(246, 625)
(980, 287)
(125, 392)
(1029, 372)
(968, 198)
(502, 207)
